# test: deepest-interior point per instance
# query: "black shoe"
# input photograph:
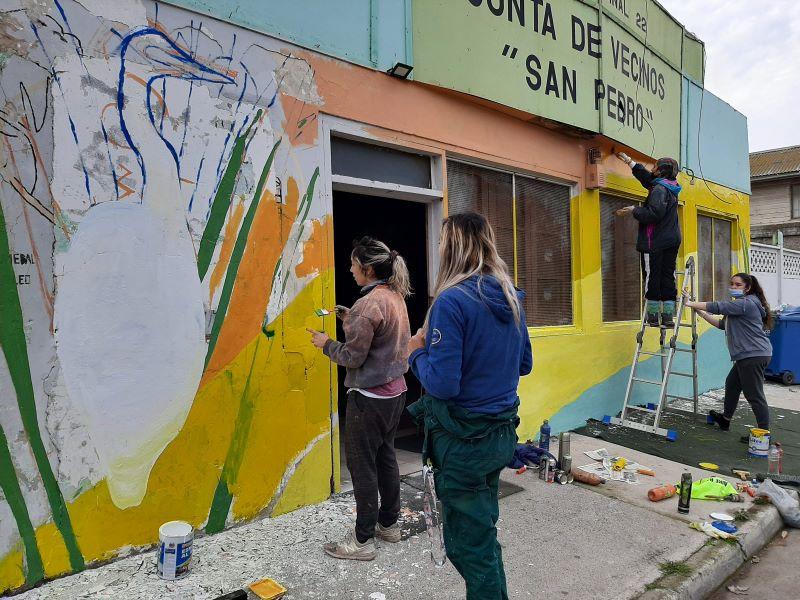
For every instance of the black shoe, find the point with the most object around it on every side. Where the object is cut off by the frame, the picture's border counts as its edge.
(720, 420)
(745, 439)
(652, 320)
(667, 321)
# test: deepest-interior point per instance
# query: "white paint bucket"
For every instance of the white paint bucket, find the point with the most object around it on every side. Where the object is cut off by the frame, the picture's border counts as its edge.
(175, 549)
(759, 442)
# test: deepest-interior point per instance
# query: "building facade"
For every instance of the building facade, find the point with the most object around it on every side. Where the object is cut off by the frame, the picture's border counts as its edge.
(180, 185)
(775, 200)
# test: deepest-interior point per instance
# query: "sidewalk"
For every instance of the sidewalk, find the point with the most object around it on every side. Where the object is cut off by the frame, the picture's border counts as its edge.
(569, 541)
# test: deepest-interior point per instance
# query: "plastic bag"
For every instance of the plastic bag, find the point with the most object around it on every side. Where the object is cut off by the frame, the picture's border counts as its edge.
(433, 521)
(787, 506)
(711, 488)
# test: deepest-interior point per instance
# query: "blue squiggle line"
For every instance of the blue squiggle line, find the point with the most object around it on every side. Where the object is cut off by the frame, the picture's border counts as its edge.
(197, 182)
(179, 55)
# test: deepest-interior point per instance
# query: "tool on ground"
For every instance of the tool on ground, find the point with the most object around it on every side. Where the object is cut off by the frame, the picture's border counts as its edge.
(267, 589)
(741, 474)
(648, 472)
(433, 521)
(587, 478)
(619, 464)
(668, 348)
(544, 436)
(747, 488)
(685, 497)
(709, 466)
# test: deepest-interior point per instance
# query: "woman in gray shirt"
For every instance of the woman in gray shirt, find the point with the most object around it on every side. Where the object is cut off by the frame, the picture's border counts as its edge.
(745, 320)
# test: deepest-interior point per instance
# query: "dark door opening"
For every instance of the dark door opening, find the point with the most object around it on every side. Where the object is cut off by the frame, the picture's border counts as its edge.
(402, 225)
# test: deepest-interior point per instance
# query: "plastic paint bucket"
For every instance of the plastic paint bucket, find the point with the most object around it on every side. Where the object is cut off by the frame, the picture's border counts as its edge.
(175, 549)
(759, 442)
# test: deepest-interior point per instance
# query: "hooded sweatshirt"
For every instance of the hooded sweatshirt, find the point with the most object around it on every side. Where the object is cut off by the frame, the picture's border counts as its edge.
(474, 351)
(743, 323)
(658, 216)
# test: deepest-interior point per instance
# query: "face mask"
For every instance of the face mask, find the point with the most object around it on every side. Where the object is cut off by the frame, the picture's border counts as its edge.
(736, 293)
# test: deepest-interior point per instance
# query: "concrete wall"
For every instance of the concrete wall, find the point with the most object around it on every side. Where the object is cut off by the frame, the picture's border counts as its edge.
(167, 213)
(373, 33)
(714, 138)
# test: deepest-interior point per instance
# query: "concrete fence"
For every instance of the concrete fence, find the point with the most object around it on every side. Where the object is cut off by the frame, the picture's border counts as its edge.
(778, 270)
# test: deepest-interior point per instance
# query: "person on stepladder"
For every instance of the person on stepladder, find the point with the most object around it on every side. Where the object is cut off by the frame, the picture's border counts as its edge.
(659, 236)
(746, 319)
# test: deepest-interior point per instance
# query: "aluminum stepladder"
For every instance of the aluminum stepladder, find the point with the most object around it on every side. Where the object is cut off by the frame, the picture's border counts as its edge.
(668, 349)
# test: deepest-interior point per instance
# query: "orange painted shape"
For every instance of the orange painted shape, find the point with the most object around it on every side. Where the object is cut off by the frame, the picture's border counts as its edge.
(315, 250)
(228, 242)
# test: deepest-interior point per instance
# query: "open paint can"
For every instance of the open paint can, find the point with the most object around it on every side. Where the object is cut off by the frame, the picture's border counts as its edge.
(175, 549)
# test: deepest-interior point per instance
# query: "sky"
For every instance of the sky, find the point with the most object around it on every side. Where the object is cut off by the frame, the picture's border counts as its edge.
(752, 61)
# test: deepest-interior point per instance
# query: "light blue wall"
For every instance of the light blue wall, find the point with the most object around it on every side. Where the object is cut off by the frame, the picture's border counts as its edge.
(372, 33)
(722, 155)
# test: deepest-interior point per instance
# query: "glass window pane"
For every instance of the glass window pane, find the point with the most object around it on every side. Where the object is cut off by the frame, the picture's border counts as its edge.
(722, 259)
(705, 261)
(544, 255)
(490, 193)
(796, 201)
(620, 263)
(379, 163)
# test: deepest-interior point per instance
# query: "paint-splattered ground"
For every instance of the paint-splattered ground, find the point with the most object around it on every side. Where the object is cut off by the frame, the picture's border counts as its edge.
(548, 532)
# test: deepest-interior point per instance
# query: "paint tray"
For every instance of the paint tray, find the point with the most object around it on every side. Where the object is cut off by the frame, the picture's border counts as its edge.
(267, 589)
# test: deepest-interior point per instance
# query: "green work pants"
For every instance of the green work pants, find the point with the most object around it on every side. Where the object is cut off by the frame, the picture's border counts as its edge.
(467, 475)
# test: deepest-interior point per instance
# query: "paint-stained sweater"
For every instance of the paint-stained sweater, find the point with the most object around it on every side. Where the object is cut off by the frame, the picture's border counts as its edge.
(376, 332)
(743, 323)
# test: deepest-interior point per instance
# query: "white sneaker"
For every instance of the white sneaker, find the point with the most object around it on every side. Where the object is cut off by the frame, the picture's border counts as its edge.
(351, 549)
(389, 534)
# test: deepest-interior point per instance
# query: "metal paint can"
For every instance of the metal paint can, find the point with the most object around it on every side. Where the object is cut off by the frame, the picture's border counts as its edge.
(566, 462)
(543, 462)
(563, 446)
(562, 478)
(551, 470)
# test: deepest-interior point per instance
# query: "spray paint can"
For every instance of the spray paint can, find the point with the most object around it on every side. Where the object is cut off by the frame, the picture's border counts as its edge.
(565, 461)
(563, 446)
(551, 470)
(544, 436)
(543, 462)
(685, 497)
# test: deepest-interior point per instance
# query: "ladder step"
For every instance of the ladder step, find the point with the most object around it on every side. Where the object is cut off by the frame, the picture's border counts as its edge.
(690, 350)
(653, 353)
(681, 374)
(679, 397)
(642, 409)
(640, 380)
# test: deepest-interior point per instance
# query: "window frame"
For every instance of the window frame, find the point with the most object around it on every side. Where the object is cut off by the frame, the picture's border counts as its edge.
(638, 201)
(794, 200)
(534, 330)
(732, 222)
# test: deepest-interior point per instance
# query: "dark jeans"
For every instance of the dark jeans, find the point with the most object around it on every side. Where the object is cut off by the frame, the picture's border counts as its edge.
(658, 275)
(467, 481)
(370, 427)
(747, 375)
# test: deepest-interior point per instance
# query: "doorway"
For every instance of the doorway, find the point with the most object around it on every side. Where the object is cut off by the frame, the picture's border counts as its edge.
(402, 225)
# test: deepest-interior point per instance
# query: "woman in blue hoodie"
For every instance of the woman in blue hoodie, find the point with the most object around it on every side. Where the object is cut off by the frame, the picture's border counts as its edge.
(659, 236)
(745, 320)
(469, 357)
